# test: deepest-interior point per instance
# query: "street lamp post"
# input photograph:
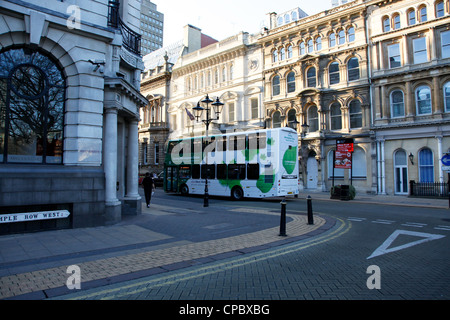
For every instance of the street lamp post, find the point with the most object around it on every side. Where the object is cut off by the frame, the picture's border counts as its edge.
(198, 111)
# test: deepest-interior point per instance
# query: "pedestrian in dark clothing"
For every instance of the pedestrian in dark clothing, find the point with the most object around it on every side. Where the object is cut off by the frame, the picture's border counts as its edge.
(149, 185)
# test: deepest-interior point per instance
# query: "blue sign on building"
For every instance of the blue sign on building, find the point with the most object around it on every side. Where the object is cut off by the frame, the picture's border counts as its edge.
(446, 160)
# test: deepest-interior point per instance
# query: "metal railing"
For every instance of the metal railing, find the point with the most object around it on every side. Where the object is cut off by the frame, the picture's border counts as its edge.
(429, 189)
(131, 39)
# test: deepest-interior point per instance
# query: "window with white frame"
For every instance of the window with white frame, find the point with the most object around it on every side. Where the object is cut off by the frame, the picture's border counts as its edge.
(426, 165)
(447, 96)
(276, 86)
(397, 104)
(355, 112)
(311, 77)
(333, 72)
(291, 82)
(336, 116)
(313, 119)
(254, 108)
(351, 34)
(332, 40)
(423, 100)
(445, 44)
(394, 56)
(231, 112)
(359, 164)
(420, 50)
(440, 11)
(423, 14)
(411, 17)
(276, 119)
(353, 69)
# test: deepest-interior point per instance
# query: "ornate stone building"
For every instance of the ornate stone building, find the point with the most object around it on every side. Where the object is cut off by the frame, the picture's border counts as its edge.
(410, 50)
(231, 70)
(69, 112)
(316, 73)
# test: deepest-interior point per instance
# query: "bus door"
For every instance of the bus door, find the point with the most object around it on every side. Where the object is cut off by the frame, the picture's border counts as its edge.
(171, 176)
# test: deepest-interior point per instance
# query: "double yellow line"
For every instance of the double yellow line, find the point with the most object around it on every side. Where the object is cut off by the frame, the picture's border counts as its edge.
(144, 285)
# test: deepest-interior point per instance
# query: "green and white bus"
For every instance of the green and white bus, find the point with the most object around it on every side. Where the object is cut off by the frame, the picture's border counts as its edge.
(253, 164)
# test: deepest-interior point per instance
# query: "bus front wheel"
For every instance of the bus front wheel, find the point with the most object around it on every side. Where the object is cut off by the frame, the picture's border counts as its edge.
(237, 193)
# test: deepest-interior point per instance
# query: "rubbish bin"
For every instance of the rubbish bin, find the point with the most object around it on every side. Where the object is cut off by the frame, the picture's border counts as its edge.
(345, 192)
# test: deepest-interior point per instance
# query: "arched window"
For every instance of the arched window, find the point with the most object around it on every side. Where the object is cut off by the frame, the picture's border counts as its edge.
(276, 119)
(332, 40)
(32, 95)
(353, 69)
(336, 116)
(423, 100)
(291, 82)
(333, 72)
(355, 114)
(396, 20)
(439, 7)
(287, 18)
(411, 17)
(397, 104)
(276, 85)
(292, 116)
(289, 52)
(341, 37)
(318, 43)
(351, 34)
(386, 24)
(224, 74)
(313, 119)
(282, 54)
(301, 48)
(311, 77)
(447, 96)
(274, 56)
(310, 45)
(423, 14)
(231, 72)
(426, 165)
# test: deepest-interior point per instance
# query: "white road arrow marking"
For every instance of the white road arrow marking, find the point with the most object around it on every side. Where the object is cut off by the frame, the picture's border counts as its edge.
(383, 249)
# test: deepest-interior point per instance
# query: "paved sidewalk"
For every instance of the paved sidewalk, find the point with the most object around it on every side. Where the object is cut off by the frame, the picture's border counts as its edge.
(440, 203)
(34, 266)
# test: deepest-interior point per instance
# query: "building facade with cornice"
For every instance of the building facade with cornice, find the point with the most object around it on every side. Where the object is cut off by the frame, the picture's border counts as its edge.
(410, 50)
(316, 73)
(231, 70)
(69, 112)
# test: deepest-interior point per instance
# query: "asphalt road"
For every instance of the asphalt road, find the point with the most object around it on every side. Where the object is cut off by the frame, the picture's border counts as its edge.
(375, 252)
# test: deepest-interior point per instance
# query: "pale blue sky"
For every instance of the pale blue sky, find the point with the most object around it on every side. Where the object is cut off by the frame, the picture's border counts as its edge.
(221, 19)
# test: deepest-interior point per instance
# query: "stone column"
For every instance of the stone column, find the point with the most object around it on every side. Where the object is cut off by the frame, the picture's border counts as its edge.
(132, 201)
(112, 204)
(133, 161)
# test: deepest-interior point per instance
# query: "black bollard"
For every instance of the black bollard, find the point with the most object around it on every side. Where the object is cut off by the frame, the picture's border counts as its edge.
(310, 211)
(283, 219)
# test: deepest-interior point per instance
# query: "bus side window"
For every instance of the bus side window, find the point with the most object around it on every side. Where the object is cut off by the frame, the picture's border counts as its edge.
(253, 171)
(236, 171)
(268, 174)
(222, 171)
(208, 169)
(222, 143)
(196, 171)
(185, 172)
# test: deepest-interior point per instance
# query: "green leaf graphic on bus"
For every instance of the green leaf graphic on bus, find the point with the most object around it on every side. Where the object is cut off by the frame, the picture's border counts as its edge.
(290, 159)
(265, 183)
